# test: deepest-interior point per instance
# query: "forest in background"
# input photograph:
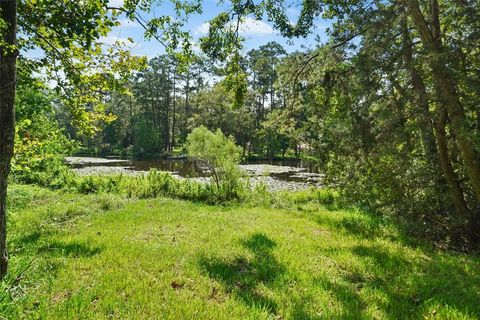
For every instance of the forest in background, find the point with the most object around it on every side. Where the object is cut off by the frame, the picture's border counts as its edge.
(166, 101)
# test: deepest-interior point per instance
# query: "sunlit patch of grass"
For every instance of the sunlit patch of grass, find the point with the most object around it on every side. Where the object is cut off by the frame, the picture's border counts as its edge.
(105, 256)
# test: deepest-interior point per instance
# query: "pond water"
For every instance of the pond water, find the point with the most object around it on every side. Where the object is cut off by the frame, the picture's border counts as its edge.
(277, 174)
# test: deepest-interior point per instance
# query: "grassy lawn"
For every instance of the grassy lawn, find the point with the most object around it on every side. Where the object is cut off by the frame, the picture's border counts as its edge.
(104, 256)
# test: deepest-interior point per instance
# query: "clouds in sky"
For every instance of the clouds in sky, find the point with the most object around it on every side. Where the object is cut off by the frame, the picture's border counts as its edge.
(248, 26)
(111, 40)
(115, 3)
(202, 29)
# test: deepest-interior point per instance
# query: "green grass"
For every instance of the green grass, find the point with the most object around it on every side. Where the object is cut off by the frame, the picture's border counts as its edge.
(103, 256)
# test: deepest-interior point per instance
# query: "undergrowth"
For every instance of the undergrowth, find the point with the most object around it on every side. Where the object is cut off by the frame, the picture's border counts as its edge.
(162, 184)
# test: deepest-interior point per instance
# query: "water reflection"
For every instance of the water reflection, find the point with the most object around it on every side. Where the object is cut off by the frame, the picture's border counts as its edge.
(285, 169)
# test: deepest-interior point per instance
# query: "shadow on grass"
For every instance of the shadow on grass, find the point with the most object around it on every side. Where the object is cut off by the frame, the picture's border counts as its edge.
(365, 226)
(406, 288)
(399, 276)
(29, 238)
(424, 276)
(41, 243)
(28, 243)
(36, 264)
(69, 249)
(243, 276)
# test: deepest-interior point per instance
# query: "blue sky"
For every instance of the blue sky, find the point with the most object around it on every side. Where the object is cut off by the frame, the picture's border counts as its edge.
(255, 32)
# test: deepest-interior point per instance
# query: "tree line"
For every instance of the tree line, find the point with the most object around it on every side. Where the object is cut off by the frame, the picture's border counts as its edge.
(166, 101)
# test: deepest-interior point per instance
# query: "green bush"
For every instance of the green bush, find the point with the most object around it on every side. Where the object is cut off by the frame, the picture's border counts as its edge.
(40, 148)
(222, 156)
(40, 143)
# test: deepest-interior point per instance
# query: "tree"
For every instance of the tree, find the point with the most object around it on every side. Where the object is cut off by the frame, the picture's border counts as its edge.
(40, 143)
(153, 90)
(216, 110)
(8, 54)
(67, 33)
(33, 25)
(220, 154)
(263, 62)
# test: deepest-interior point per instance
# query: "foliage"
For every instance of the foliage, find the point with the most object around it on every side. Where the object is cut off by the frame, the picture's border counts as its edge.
(381, 150)
(68, 36)
(167, 102)
(220, 155)
(40, 143)
(148, 139)
(150, 185)
(275, 133)
(387, 104)
(40, 148)
(216, 111)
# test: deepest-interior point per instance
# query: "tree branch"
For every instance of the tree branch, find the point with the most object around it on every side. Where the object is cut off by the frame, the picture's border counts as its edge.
(140, 21)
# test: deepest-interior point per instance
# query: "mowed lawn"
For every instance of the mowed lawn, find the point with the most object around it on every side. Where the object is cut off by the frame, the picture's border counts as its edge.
(107, 257)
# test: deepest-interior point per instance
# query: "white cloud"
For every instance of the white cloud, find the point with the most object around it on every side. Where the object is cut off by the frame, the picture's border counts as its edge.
(112, 39)
(115, 3)
(248, 26)
(255, 27)
(202, 29)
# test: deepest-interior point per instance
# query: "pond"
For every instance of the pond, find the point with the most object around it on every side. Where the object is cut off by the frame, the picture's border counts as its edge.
(277, 174)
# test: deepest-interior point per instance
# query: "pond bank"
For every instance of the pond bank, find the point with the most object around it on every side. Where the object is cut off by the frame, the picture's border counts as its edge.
(275, 177)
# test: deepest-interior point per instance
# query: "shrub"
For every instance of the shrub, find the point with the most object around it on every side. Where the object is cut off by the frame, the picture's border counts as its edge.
(40, 147)
(221, 155)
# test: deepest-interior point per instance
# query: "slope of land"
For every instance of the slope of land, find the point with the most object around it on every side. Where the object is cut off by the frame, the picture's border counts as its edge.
(103, 256)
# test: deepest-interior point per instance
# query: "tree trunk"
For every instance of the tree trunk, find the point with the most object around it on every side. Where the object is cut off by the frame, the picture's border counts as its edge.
(446, 91)
(187, 94)
(166, 129)
(154, 107)
(131, 128)
(420, 100)
(187, 106)
(8, 11)
(478, 119)
(456, 191)
(262, 114)
(448, 96)
(272, 97)
(174, 110)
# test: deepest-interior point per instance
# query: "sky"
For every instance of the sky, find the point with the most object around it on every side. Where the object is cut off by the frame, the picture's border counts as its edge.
(255, 32)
